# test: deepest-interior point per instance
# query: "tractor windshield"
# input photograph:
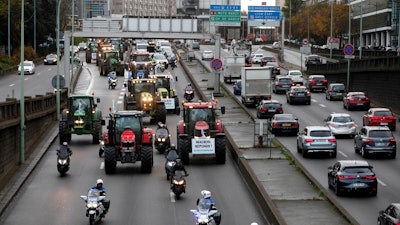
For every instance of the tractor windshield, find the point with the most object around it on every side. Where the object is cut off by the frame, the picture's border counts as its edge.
(204, 114)
(163, 82)
(140, 58)
(111, 54)
(144, 87)
(80, 104)
(123, 122)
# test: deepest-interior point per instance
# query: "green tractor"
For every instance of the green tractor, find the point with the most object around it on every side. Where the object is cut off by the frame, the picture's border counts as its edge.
(91, 52)
(128, 141)
(164, 84)
(110, 62)
(81, 117)
(142, 96)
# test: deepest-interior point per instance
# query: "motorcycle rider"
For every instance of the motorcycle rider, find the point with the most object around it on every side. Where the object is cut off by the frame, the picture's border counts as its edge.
(111, 76)
(99, 187)
(189, 87)
(64, 147)
(179, 166)
(206, 195)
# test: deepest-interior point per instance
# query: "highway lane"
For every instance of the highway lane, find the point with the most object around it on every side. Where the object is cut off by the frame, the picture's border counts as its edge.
(364, 209)
(136, 198)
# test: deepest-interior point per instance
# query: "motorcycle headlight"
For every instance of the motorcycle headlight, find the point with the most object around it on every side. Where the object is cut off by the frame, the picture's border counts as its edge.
(171, 163)
(178, 182)
(92, 205)
(62, 161)
(199, 220)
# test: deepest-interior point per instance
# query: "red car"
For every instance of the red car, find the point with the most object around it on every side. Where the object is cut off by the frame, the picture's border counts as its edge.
(353, 100)
(380, 117)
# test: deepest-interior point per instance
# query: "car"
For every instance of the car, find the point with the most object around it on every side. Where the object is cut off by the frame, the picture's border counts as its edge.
(82, 46)
(341, 124)
(50, 59)
(317, 82)
(356, 100)
(160, 58)
(296, 76)
(257, 58)
(267, 108)
(281, 84)
(375, 140)
(276, 45)
(275, 68)
(283, 124)
(316, 139)
(313, 59)
(248, 62)
(380, 117)
(207, 55)
(352, 176)
(298, 94)
(195, 45)
(335, 91)
(266, 59)
(29, 67)
(237, 87)
(390, 216)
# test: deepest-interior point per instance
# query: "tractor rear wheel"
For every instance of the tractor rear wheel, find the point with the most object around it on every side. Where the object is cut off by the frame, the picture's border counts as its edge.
(220, 149)
(96, 132)
(147, 158)
(161, 113)
(183, 147)
(110, 161)
(63, 132)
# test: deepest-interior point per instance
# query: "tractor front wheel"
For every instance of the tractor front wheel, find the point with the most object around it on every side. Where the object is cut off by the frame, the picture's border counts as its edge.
(184, 146)
(96, 132)
(147, 158)
(110, 161)
(161, 113)
(220, 149)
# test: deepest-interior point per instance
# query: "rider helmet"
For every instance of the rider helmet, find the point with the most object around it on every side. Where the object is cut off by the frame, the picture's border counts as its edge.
(189, 84)
(65, 143)
(254, 224)
(99, 181)
(206, 194)
(178, 162)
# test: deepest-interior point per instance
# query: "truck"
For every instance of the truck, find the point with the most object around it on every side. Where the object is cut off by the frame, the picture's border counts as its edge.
(256, 85)
(232, 68)
(201, 133)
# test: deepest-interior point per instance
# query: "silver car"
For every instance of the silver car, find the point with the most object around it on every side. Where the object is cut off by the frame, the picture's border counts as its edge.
(316, 139)
(341, 124)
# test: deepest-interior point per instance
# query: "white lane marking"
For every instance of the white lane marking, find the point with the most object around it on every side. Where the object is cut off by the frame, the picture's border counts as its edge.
(102, 165)
(322, 105)
(120, 97)
(342, 153)
(313, 100)
(381, 183)
(119, 102)
(172, 195)
(12, 85)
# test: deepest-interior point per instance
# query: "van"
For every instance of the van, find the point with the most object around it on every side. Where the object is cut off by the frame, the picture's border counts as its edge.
(195, 45)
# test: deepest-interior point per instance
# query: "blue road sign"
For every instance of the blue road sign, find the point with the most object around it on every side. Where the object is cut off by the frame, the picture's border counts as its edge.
(225, 7)
(264, 8)
(348, 49)
(216, 64)
(263, 15)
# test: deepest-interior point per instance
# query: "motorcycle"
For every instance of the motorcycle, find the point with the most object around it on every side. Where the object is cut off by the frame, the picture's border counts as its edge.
(178, 183)
(162, 139)
(189, 94)
(63, 158)
(95, 209)
(205, 215)
(170, 162)
(112, 80)
(172, 62)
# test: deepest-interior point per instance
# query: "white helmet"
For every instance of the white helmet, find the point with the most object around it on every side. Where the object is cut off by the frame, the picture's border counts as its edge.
(205, 194)
(65, 143)
(254, 224)
(99, 181)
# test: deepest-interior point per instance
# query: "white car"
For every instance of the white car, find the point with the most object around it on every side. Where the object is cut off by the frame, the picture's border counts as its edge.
(29, 67)
(257, 58)
(207, 55)
(341, 124)
(160, 58)
(297, 76)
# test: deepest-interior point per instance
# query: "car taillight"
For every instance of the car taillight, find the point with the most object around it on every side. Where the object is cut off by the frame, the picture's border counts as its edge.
(332, 139)
(345, 177)
(308, 140)
(275, 124)
(368, 140)
(263, 110)
(307, 93)
(295, 124)
(370, 177)
(325, 81)
(312, 81)
(280, 110)
(392, 140)
(278, 83)
(331, 90)
(292, 93)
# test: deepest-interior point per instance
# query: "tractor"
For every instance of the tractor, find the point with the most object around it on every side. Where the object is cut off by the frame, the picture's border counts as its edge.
(164, 85)
(128, 141)
(109, 61)
(142, 96)
(91, 52)
(201, 133)
(140, 64)
(81, 117)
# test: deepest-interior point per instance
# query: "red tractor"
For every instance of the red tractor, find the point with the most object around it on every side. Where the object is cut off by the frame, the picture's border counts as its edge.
(128, 141)
(200, 132)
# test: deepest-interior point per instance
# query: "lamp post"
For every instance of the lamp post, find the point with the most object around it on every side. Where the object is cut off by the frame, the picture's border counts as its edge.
(9, 32)
(290, 19)
(58, 61)
(22, 88)
(361, 36)
(349, 42)
(330, 45)
(308, 20)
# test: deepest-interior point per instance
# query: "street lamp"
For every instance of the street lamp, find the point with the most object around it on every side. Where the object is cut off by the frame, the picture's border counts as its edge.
(330, 45)
(58, 61)
(22, 93)
(290, 19)
(361, 36)
(308, 20)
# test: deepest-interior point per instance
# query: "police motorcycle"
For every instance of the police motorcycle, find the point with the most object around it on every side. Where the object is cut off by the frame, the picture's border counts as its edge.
(95, 209)
(205, 214)
(189, 93)
(172, 61)
(170, 161)
(112, 80)
(63, 159)
(178, 183)
(162, 138)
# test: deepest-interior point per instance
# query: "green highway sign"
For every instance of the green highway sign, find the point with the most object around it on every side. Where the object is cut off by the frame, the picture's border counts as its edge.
(225, 15)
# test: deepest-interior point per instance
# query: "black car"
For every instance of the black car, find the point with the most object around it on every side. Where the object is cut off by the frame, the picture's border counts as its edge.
(267, 59)
(283, 124)
(375, 140)
(51, 59)
(335, 91)
(350, 176)
(267, 108)
(281, 84)
(317, 82)
(313, 59)
(275, 68)
(298, 94)
(390, 216)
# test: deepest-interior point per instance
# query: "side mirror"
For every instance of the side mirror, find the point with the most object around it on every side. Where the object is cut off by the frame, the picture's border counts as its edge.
(330, 167)
(223, 109)
(381, 212)
(125, 84)
(98, 100)
(103, 122)
(176, 78)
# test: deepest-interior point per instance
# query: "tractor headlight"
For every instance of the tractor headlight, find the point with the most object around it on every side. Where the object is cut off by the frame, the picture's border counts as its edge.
(148, 99)
(80, 121)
